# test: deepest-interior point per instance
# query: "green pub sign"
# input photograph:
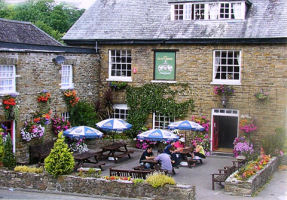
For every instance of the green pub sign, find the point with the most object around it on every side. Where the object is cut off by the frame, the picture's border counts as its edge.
(164, 66)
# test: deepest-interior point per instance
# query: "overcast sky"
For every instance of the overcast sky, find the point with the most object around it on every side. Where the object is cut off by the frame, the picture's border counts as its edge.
(78, 3)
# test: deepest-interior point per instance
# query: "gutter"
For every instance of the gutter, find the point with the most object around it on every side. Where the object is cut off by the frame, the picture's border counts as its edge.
(279, 40)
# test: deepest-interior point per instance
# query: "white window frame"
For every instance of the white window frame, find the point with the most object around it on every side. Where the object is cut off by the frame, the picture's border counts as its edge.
(120, 78)
(167, 121)
(189, 11)
(66, 116)
(69, 84)
(179, 15)
(194, 9)
(215, 67)
(7, 77)
(123, 110)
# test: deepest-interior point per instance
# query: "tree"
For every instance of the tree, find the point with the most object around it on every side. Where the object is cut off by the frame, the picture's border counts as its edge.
(9, 159)
(52, 18)
(60, 160)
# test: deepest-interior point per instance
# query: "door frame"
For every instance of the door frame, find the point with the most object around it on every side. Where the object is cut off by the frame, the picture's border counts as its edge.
(222, 112)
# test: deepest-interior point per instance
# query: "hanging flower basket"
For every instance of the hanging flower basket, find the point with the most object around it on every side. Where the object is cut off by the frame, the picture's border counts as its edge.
(44, 97)
(9, 104)
(70, 97)
(261, 96)
(32, 130)
(224, 91)
(247, 125)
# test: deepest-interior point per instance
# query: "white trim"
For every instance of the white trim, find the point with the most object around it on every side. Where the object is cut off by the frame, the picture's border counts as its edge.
(121, 106)
(226, 81)
(172, 12)
(162, 81)
(70, 84)
(222, 112)
(119, 78)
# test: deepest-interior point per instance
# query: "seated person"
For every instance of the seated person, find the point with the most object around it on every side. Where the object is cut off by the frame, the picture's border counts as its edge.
(147, 155)
(171, 151)
(165, 161)
(199, 151)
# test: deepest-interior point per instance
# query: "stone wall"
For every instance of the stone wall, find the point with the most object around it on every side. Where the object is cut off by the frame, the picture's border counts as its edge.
(263, 67)
(249, 187)
(36, 72)
(93, 186)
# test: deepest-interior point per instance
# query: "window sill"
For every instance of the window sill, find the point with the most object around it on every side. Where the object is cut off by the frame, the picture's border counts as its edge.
(225, 83)
(162, 81)
(67, 88)
(120, 79)
(2, 94)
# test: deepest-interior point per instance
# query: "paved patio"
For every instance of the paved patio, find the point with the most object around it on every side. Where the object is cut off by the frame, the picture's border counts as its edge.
(201, 178)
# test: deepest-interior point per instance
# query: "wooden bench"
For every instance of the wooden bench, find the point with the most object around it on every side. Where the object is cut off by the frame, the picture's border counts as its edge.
(39, 152)
(222, 175)
(130, 173)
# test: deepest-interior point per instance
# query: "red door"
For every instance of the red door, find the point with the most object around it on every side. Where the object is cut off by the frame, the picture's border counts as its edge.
(215, 133)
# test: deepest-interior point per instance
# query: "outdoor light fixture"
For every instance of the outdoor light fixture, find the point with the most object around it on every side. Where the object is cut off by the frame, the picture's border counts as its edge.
(59, 60)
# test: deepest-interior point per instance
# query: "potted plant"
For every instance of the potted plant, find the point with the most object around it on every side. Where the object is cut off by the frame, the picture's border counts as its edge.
(261, 96)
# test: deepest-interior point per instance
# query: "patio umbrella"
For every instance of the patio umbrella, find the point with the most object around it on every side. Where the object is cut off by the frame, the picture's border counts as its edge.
(186, 125)
(83, 132)
(157, 135)
(114, 125)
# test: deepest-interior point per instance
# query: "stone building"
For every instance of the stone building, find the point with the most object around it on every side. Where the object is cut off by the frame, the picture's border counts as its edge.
(30, 62)
(202, 43)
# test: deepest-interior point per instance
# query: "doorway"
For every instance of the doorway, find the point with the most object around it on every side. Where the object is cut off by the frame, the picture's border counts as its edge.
(225, 129)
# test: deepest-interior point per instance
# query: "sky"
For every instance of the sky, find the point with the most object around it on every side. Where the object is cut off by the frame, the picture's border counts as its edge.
(78, 3)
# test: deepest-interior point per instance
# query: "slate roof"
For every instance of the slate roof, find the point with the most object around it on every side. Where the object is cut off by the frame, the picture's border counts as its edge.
(24, 32)
(150, 20)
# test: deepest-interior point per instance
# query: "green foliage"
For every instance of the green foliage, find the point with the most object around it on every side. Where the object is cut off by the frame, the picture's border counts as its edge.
(151, 98)
(138, 181)
(54, 19)
(83, 114)
(1, 148)
(24, 168)
(274, 143)
(60, 160)
(118, 85)
(159, 180)
(9, 159)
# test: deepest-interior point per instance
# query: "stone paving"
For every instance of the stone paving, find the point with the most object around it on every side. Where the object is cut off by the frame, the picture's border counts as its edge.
(201, 178)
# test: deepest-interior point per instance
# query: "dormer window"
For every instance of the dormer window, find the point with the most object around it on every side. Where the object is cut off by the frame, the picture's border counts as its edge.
(208, 11)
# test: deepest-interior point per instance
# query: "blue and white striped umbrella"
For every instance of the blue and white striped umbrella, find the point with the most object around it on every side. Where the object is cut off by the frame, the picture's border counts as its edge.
(83, 132)
(114, 124)
(158, 135)
(186, 125)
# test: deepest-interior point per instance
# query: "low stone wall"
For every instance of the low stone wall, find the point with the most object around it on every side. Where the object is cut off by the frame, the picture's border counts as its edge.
(249, 187)
(93, 186)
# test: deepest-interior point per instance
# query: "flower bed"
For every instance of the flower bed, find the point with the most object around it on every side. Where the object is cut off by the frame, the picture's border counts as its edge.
(94, 186)
(248, 186)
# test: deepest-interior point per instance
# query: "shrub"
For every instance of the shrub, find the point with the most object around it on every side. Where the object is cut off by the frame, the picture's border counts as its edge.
(83, 114)
(138, 181)
(158, 180)
(29, 169)
(60, 160)
(9, 159)
(274, 143)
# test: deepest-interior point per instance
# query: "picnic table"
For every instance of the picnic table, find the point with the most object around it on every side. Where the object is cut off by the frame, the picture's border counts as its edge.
(154, 163)
(85, 157)
(116, 151)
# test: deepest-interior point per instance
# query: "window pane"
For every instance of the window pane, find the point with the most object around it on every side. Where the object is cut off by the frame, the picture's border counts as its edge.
(121, 63)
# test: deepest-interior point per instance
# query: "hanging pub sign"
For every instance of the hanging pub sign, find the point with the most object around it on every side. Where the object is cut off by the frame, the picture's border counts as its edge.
(164, 65)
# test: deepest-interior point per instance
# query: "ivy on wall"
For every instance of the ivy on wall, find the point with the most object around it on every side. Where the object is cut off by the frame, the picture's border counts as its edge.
(151, 98)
